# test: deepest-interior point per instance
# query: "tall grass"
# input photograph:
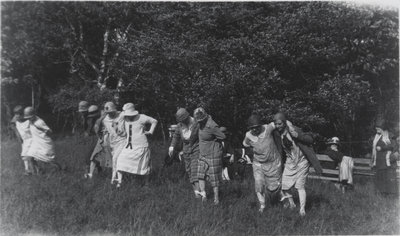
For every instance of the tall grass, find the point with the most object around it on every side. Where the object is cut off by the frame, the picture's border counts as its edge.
(64, 203)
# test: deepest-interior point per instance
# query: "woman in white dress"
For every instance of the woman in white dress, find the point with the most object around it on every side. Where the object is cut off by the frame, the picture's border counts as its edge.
(42, 146)
(135, 155)
(110, 123)
(23, 133)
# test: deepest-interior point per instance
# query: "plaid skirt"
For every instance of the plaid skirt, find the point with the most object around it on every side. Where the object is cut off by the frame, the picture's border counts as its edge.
(191, 167)
(210, 169)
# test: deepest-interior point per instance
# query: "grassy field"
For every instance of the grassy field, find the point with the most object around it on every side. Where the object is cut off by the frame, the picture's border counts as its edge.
(63, 203)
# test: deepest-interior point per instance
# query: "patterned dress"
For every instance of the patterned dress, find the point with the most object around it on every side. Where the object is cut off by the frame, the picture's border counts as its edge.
(267, 167)
(210, 161)
(190, 137)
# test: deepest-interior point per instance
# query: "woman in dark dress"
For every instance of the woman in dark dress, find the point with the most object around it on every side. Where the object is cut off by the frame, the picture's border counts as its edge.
(385, 177)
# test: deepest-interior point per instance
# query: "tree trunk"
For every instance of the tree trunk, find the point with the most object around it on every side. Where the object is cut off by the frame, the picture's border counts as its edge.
(162, 127)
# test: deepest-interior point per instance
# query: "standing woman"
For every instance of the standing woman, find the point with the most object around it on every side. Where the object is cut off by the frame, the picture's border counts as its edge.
(187, 131)
(210, 161)
(267, 164)
(42, 146)
(135, 155)
(110, 122)
(385, 177)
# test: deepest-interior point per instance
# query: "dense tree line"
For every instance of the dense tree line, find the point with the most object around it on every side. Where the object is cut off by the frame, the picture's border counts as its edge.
(333, 67)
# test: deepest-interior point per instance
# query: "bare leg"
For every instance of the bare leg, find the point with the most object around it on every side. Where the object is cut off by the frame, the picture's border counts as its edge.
(35, 166)
(27, 167)
(92, 167)
(302, 197)
(202, 187)
(261, 199)
(216, 195)
(196, 189)
(119, 179)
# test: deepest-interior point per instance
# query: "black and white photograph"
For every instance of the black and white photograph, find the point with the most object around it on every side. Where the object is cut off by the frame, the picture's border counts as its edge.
(205, 118)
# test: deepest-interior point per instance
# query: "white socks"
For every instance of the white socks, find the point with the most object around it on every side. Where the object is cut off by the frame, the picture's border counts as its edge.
(302, 198)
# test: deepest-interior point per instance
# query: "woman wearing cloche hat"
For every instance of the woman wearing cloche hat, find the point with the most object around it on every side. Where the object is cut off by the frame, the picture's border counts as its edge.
(210, 161)
(42, 146)
(187, 131)
(135, 155)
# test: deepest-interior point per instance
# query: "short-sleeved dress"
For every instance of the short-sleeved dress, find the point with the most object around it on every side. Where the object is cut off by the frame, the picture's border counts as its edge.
(135, 155)
(42, 146)
(267, 166)
(25, 133)
(210, 161)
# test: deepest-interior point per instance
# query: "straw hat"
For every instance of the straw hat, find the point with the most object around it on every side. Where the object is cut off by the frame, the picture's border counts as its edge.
(128, 105)
(29, 112)
(200, 114)
(83, 106)
(129, 110)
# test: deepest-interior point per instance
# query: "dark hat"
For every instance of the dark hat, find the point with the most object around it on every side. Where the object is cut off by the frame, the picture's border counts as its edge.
(380, 123)
(181, 115)
(333, 140)
(254, 121)
(18, 109)
(93, 111)
(280, 116)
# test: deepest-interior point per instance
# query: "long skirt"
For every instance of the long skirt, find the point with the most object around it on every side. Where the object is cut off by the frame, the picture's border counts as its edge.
(210, 168)
(191, 166)
(386, 181)
(134, 161)
(42, 149)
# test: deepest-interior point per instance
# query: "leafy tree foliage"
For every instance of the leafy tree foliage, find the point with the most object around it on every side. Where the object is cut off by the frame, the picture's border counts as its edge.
(330, 66)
